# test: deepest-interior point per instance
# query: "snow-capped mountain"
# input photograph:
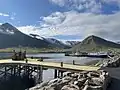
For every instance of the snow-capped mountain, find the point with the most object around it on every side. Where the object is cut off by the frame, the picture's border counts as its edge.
(56, 42)
(62, 43)
(71, 43)
(7, 29)
(12, 37)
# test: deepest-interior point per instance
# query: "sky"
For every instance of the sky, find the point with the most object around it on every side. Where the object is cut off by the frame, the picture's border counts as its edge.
(64, 19)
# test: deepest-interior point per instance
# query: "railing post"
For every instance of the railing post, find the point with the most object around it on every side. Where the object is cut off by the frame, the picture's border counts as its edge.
(61, 64)
(73, 62)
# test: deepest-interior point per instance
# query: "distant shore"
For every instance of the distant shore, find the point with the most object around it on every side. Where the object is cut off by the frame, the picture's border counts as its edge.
(32, 50)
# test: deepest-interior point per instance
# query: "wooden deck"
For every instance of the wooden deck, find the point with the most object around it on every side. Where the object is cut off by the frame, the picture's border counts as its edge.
(53, 65)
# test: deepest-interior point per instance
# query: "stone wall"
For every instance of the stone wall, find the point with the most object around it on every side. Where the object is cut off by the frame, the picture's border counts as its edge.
(85, 80)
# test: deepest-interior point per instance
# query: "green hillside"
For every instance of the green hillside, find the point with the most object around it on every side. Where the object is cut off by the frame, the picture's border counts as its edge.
(95, 44)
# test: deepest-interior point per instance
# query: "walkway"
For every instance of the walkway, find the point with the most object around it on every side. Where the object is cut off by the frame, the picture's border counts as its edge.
(53, 65)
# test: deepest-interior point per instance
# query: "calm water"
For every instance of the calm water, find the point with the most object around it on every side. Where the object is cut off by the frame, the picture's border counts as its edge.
(48, 74)
(53, 57)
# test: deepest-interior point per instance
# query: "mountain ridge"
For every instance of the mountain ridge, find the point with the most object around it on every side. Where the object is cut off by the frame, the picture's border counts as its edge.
(18, 38)
(94, 43)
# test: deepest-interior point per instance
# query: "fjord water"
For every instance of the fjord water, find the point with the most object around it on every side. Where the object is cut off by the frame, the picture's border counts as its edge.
(55, 57)
(60, 57)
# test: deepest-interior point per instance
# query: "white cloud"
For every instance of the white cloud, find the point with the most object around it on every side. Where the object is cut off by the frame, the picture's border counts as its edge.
(4, 14)
(79, 24)
(86, 5)
(0, 23)
(94, 6)
(54, 18)
(12, 18)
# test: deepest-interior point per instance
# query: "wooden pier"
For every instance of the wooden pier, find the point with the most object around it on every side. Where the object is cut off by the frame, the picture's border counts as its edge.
(11, 67)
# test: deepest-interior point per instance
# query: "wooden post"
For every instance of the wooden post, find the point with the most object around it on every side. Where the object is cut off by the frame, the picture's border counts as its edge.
(41, 58)
(5, 73)
(40, 74)
(12, 71)
(61, 64)
(61, 73)
(26, 60)
(19, 70)
(55, 73)
(14, 68)
(73, 62)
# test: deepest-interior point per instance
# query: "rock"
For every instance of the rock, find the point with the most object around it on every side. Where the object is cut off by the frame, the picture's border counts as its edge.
(67, 78)
(86, 80)
(75, 75)
(93, 74)
(65, 81)
(53, 81)
(80, 76)
(66, 74)
(39, 86)
(48, 88)
(84, 74)
(87, 87)
(80, 82)
(75, 82)
(70, 87)
(61, 84)
(97, 81)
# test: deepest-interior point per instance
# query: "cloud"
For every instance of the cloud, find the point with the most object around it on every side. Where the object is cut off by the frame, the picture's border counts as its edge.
(4, 14)
(94, 6)
(77, 24)
(54, 18)
(12, 16)
(0, 23)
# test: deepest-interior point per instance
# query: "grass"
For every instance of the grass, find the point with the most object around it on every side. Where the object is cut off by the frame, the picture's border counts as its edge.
(32, 50)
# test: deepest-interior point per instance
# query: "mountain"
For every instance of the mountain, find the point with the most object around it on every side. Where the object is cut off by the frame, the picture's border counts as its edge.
(61, 43)
(57, 42)
(94, 43)
(118, 42)
(71, 43)
(12, 37)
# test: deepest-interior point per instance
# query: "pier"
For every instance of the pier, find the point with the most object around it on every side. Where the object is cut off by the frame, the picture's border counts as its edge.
(10, 67)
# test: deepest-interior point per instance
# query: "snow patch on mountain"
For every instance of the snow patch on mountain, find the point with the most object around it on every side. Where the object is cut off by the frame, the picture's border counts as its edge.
(62, 42)
(7, 31)
(71, 43)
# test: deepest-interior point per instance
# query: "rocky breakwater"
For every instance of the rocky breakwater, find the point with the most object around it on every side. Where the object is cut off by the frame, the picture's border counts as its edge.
(111, 62)
(85, 80)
